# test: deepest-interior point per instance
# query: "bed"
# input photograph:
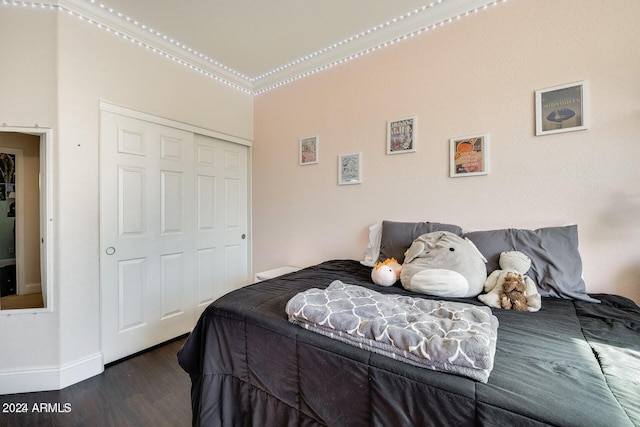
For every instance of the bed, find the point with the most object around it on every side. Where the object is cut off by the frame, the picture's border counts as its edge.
(576, 362)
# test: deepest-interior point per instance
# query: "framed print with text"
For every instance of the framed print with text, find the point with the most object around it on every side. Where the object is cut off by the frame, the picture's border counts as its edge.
(308, 150)
(401, 135)
(562, 108)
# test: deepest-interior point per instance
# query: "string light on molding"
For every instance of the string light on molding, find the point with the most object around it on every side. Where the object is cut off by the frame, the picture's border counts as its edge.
(129, 38)
(168, 39)
(163, 38)
(29, 4)
(379, 46)
(347, 41)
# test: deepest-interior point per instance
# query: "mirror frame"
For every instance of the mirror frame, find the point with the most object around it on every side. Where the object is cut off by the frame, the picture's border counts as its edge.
(46, 217)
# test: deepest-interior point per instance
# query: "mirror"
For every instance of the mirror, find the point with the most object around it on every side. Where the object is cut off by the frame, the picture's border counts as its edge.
(23, 220)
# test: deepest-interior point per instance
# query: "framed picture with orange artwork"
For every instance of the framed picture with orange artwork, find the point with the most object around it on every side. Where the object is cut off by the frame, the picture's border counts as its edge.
(469, 155)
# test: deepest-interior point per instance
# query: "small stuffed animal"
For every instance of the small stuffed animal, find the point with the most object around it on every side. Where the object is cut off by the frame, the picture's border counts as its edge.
(510, 288)
(443, 264)
(386, 273)
(513, 296)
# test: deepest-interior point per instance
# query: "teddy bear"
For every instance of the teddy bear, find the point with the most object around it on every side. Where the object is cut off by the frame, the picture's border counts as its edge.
(443, 264)
(510, 288)
(513, 292)
(386, 273)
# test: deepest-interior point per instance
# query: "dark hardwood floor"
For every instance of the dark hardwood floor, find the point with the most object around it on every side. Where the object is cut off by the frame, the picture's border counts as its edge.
(149, 389)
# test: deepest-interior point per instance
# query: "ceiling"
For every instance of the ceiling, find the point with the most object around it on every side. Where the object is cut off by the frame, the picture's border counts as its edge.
(257, 45)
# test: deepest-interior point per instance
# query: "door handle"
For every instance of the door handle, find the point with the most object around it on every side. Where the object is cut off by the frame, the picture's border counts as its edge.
(110, 250)
(244, 236)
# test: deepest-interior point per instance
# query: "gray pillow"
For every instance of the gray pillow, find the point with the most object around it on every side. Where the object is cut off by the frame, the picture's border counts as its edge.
(398, 236)
(556, 265)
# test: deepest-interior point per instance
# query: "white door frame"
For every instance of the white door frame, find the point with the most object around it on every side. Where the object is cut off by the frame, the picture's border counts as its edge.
(172, 123)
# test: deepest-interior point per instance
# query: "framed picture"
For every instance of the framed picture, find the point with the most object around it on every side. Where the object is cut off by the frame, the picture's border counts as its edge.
(401, 135)
(469, 155)
(308, 150)
(350, 169)
(562, 108)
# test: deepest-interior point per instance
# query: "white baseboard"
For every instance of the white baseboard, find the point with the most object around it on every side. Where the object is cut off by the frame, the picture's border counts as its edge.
(52, 378)
(39, 379)
(81, 370)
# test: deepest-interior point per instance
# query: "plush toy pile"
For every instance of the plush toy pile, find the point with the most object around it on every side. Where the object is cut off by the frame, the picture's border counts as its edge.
(510, 288)
(446, 265)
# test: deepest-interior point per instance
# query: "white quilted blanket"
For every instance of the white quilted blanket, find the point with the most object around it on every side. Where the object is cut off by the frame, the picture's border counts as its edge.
(440, 335)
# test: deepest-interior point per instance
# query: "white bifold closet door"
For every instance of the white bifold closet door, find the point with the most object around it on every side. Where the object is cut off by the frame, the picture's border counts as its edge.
(173, 230)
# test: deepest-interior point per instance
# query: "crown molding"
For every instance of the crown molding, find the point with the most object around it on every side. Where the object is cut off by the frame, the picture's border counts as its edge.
(431, 16)
(139, 33)
(442, 13)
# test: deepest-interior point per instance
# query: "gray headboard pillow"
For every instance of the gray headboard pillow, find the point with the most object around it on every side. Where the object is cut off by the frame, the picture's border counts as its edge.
(556, 265)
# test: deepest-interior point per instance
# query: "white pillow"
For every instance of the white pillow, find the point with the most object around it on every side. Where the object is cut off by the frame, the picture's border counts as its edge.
(372, 251)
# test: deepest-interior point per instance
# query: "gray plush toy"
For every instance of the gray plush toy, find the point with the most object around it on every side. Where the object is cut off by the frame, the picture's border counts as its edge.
(443, 264)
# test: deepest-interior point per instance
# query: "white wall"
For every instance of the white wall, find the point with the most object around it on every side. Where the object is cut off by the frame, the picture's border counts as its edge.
(62, 68)
(475, 75)
(28, 98)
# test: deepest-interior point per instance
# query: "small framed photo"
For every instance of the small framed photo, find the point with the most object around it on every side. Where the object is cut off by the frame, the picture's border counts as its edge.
(308, 150)
(401, 135)
(350, 169)
(562, 108)
(469, 155)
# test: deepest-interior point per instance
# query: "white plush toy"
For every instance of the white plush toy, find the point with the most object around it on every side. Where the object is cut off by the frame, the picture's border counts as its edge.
(510, 287)
(386, 273)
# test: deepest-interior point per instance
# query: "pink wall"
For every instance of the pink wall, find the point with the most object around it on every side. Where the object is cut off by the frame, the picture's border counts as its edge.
(475, 75)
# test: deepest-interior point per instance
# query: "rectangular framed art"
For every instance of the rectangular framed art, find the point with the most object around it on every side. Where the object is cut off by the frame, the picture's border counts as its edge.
(308, 150)
(350, 169)
(469, 155)
(562, 108)
(401, 135)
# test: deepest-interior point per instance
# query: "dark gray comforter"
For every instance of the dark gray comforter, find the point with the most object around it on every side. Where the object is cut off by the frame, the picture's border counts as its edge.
(573, 363)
